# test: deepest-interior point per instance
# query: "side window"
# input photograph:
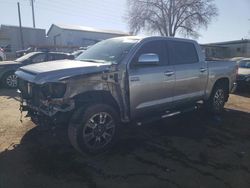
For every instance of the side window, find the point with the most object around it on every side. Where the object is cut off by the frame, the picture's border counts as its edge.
(38, 58)
(154, 47)
(59, 56)
(182, 53)
(50, 57)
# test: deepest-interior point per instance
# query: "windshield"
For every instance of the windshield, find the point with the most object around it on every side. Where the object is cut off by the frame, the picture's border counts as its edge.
(245, 64)
(27, 56)
(108, 51)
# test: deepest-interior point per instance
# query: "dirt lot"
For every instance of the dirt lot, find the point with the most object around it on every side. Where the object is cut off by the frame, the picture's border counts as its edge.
(189, 151)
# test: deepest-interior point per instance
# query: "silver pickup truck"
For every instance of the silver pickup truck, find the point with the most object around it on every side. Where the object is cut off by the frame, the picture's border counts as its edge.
(120, 80)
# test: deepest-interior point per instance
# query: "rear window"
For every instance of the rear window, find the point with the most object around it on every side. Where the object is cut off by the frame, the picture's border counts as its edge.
(182, 53)
(60, 56)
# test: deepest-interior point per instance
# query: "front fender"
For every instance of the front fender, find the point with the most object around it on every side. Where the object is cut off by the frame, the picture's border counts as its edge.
(101, 86)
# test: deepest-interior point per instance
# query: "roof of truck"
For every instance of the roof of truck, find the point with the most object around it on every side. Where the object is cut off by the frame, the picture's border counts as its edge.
(156, 37)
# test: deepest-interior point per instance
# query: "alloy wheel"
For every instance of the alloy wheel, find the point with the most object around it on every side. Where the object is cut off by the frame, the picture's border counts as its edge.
(11, 81)
(219, 99)
(99, 130)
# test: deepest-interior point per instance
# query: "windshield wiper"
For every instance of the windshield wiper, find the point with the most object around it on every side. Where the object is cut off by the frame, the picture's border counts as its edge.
(93, 60)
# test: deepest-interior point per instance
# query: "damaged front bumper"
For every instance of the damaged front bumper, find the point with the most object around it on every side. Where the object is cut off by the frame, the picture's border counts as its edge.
(48, 107)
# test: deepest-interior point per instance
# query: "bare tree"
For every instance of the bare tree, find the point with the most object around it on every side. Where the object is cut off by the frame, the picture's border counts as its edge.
(169, 17)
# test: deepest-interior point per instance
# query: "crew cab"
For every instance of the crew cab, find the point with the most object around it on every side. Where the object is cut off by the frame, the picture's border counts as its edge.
(121, 80)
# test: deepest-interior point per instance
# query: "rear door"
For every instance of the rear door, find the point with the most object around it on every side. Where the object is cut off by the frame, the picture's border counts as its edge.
(151, 86)
(190, 72)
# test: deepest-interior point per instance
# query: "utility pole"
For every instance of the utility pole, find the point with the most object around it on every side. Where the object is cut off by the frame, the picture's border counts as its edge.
(20, 25)
(33, 13)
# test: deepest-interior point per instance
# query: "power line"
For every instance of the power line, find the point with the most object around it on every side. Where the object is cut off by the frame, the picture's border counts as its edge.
(104, 10)
(56, 10)
(76, 12)
(89, 3)
(78, 9)
(66, 5)
(8, 2)
(71, 10)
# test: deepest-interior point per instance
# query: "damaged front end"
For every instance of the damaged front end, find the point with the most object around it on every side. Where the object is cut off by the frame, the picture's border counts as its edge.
(44, 102)
(56, 101)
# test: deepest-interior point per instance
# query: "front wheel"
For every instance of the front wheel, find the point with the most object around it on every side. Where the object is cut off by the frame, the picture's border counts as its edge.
(10, 80)
(217, 100)
(93, 129)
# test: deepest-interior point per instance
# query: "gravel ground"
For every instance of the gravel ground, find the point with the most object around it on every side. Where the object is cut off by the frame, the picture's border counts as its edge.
(188, 151)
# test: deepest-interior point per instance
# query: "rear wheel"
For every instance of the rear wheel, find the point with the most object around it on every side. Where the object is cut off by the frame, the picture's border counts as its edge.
(10, 80)
(217, 100)
(93, 129)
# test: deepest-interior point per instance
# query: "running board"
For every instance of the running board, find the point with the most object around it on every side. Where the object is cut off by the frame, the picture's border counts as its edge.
(170, 115)
(166, 115)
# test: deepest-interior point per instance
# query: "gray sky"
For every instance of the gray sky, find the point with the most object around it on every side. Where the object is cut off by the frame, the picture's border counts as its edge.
(232, 23)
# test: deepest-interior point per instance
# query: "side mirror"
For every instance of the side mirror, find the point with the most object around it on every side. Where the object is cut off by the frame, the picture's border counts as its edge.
(149, 59)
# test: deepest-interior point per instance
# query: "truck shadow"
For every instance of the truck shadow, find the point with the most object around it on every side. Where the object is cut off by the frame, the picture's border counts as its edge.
(9, 93)
(192, 145)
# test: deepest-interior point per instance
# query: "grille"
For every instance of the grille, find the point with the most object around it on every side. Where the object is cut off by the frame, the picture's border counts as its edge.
(30, 92)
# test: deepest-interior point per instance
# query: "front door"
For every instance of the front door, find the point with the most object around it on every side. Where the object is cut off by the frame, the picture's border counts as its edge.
(151, 85)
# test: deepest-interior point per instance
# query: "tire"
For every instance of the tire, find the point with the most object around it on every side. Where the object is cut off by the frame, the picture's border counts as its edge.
(217, 100)
(93, 129)
(10, 80)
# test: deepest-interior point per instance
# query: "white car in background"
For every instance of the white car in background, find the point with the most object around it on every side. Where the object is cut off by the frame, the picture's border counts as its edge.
(2, 55)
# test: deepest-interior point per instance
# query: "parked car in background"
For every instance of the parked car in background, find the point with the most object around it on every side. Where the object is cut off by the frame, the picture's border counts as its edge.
(243, 78)
(6, 48)
(7, 68)
(127, 79)
(21, 53)
(2, 55)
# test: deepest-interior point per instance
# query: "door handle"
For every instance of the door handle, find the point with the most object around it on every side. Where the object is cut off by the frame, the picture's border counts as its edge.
(203, 70)
(169, 73)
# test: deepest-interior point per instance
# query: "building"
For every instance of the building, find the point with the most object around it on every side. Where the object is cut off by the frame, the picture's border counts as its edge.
(226, 50)
(10, 37)
(80, 36)
(59, 38)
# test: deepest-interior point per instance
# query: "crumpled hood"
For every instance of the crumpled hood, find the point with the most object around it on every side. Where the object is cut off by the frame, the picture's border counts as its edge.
(244, 71)
(56, 70)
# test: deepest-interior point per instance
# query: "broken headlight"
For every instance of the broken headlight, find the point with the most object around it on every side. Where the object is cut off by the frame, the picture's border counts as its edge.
(54, 90)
